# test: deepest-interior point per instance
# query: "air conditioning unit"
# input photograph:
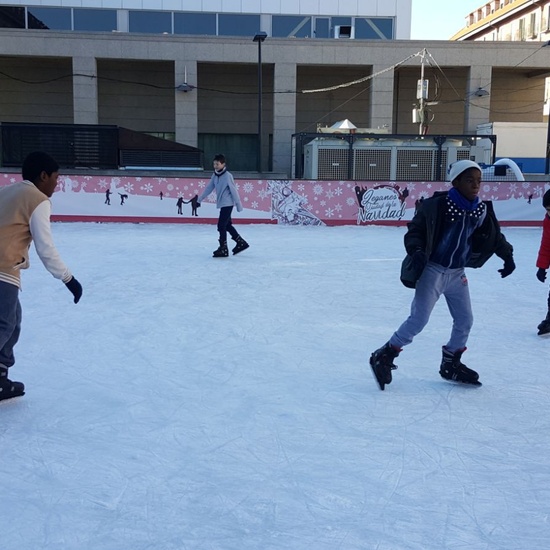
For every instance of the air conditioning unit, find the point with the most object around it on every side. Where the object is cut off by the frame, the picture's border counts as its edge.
(344, 31)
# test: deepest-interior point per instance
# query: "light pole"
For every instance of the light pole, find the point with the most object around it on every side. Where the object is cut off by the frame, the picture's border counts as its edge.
(259, 37)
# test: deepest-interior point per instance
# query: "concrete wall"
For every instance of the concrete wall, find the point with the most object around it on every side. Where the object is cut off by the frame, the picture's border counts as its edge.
(36, 89)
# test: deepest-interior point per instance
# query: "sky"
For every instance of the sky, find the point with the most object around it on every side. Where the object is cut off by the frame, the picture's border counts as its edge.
(192, 403)
(440, 19)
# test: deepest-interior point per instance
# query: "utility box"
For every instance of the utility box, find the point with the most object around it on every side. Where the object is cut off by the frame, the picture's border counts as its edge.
(522, 142)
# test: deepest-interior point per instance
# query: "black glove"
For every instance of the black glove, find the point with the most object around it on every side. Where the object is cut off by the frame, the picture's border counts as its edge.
(76, 289)
(419, 260)
(541, 275)
(198, 204)
(508, 268)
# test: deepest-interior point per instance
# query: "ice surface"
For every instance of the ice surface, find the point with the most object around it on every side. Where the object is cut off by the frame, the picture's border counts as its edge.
(227, 404)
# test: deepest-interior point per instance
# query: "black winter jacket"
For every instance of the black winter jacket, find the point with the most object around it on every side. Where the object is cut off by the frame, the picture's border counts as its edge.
(424, 231)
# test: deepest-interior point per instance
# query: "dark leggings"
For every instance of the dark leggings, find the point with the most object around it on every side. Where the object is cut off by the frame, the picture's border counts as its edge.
(225, 224)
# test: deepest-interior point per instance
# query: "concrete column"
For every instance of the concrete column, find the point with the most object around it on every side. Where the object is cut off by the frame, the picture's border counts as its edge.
(187, 120)
(477, 108)
(284, 115)
(381, 98)
(85, 108)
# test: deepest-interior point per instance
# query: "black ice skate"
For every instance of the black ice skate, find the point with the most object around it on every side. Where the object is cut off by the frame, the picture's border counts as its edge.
(544, 327)
(240, 246)
(381, 362)
(221, 251)
(8, 388)
(453, 369)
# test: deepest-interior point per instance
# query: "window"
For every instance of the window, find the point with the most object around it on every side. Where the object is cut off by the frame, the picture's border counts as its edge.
(238, 25)
(521, 30)
(290, 25)
(195, 23)
(58, 19)
(374, 28)
(156, 22)
(94, 20)
(322, 27)
(12, 17)
(533, 25)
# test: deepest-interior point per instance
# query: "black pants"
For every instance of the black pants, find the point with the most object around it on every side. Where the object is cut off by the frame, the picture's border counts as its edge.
(225, 224)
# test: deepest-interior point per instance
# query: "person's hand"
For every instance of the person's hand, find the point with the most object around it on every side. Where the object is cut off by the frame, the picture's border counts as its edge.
(75, 288)
(541, 275)
(419, 260)
(198, 204)
(508, 268)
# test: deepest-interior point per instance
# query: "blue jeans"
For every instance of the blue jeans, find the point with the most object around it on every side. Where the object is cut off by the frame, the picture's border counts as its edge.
(435, 281)
(10, 322)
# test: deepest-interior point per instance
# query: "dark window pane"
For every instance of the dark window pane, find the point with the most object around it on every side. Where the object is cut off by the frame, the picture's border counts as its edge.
(94, 20)
(12, 17)
(322, 28)
(58, 19)
(374, 28)
(238, 25)
(156, 22)
(291, 25)
(195, 23)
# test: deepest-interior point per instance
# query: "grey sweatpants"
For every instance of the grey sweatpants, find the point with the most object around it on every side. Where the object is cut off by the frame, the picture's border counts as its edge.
(435, 281)
(10, 322)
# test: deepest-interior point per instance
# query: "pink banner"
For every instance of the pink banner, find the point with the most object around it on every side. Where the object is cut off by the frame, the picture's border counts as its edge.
(298, 202)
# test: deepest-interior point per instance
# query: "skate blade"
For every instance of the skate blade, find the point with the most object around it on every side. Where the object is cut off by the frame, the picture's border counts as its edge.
(477, 384)
(11, 398)
(381, 385)
(543, 334)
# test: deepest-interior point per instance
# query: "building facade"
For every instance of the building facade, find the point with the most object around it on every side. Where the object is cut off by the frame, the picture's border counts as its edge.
(204, 90)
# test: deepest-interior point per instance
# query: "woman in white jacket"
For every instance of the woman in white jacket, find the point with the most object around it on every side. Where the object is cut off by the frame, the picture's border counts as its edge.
(227, 197)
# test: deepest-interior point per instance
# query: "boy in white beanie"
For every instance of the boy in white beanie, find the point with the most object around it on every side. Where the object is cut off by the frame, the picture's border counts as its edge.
(450, 231)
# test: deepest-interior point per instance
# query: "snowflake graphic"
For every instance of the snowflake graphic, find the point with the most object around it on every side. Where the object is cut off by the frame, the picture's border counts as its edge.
(138, 178)
(129, 187)
(170, 187)
(301, 187)
(248, 187)
(323, 203)
(103, 184)
(338, 207)
(350, 201)
(338, 191)
(513, 188)
(115, 181)
(161, 180)
(329, 194)
(263, 193)
(329, 212)
(254, 204)
(525, 184)
(318, 189)
(147, 187)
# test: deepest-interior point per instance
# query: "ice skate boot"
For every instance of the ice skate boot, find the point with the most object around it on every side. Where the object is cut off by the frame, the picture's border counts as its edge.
(381, 362)
(453, 369)
(544, 326)
(8, 388)
(221, 251)
(240, 246)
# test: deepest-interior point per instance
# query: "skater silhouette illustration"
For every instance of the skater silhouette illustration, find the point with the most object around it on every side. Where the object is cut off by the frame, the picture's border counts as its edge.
(179, 204)
(194, 204)
(123, 197)
(108, 194)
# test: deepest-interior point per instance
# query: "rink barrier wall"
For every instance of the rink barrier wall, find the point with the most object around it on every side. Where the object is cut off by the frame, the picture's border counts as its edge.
(144, 199)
